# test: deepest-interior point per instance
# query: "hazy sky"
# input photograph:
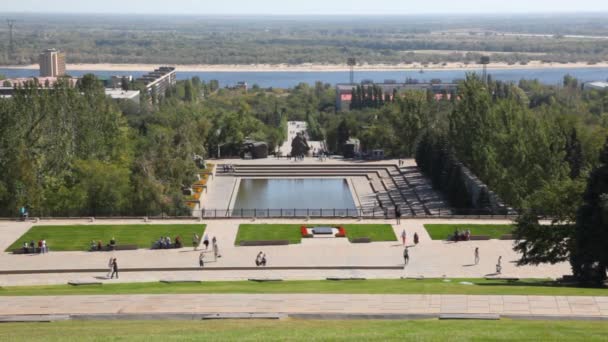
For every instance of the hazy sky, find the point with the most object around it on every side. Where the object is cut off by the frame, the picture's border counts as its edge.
(302, 7)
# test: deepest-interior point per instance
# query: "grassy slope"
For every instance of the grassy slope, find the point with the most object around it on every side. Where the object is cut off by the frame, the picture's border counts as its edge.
(291, 232)
(441, 231)
(78, 237)
(375, 286)
(304, 330)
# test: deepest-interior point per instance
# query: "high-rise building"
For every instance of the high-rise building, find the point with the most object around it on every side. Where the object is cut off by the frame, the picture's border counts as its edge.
(52, 63)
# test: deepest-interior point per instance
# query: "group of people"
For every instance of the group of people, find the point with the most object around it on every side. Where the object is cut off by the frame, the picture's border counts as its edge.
(460, 235)
(404, 238)
(97, 246)
(260, 260)
(228, 168)
(32, 247)
(164, 242)
(214, 246)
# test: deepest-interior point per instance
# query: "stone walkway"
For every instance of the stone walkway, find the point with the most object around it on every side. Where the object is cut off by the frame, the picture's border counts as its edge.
(344, 304)
(431, 259)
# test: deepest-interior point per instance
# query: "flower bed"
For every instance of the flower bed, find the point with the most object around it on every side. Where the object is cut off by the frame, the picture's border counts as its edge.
(305, 233)
(341, 232)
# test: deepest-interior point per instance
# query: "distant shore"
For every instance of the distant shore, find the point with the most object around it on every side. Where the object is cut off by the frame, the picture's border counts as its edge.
(308, 67)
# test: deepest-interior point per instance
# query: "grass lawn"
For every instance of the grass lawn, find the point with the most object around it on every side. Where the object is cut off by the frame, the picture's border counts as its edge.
(291, 232)
(79, 237)
(495, 231)
(374, 286)
(307, 330)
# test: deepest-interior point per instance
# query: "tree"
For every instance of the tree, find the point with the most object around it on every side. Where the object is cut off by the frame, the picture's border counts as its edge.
(574, 154)
(124, 84)
(343, 134)
(188, 93)
(540, 244)
(589, 257)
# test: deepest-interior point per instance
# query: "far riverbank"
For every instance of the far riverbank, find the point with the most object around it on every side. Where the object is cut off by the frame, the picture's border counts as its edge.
(311, 67)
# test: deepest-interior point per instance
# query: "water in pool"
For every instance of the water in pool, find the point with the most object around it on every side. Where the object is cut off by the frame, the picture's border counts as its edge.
(290, 194)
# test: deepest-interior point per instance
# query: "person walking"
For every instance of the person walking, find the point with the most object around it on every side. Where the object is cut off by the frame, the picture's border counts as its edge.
(406, 256)
(110, 267)
(258, 259)
(44, 247)
(195, 241)
(206, 242)
(403, 236)
(416, 239)
(476, 255)
(499, 265)
(201, 262)
(114, 269)
(216, 251)
(398, 214)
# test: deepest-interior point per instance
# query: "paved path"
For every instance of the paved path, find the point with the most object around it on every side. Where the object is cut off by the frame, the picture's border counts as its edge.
(429, 259)
(308, 304)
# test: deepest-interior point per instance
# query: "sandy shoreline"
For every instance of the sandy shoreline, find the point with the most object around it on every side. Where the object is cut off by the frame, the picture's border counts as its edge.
(312, 67)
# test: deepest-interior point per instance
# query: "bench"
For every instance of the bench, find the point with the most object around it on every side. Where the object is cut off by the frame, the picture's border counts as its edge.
(362, 240)
(507, 237)
(479, 237)
(265, 243)
(265, 280)
(509, 279)
(29, 251)
(344, 278)
(245, 316)
(116, 248)
(81, 283)
(179, 281)
(485, 317)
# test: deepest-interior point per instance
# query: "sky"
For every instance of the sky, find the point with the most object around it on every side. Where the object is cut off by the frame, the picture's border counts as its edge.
(308, 7)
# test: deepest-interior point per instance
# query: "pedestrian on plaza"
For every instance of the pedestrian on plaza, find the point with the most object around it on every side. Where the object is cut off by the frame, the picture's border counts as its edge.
(213, 240)
(40, 246)
(206, 241)
(263, 261)
(258, 259)
(114, 269)
(216, 251)
(45, 248)
(403, 236)
(499, 265)
(406, 256)
(416, 238)
(476, 255)
(201, 262)
(398, 214)
(110, 267)
(195, 241)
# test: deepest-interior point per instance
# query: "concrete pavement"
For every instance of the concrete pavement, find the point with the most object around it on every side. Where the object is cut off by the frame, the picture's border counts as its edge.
(342, 304)
(430, 258)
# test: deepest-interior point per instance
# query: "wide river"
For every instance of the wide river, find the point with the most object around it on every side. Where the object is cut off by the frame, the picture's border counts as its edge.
(287, 79)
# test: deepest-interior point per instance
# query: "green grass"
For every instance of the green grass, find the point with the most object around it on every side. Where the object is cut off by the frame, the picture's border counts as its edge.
(374, 286)
(79, 237)
(307, 330)
(259, 232)
(291, 232)
(495, 231)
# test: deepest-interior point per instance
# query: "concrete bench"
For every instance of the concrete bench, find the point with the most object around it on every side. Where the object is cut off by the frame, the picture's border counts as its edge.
(180, 281)
(245, 316)
(29, 251)
(502, 278)
(33, 318)
(344, 278)
(84, 283)
(265, 243)
(265, 280)
(479, 237)
(456, 316)
(362, 240)
(116, 248)
(507, 237)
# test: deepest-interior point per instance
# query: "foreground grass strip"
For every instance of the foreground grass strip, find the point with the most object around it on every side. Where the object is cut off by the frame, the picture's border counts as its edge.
(291, 232)
(376, 286)
(305, 330)
(495, 231)
(79, 237)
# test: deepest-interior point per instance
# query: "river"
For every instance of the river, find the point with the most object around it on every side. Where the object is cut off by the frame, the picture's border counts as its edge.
(287, 79)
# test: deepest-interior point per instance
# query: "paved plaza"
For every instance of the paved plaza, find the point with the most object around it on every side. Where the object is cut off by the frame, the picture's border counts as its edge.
(292, 304)
(308, 260)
